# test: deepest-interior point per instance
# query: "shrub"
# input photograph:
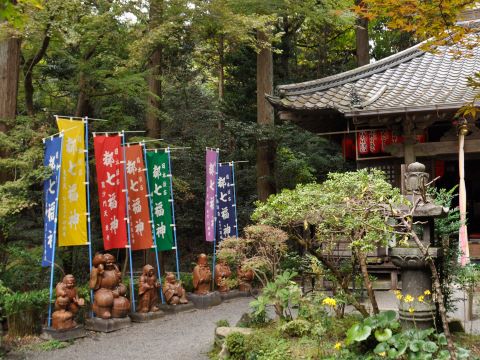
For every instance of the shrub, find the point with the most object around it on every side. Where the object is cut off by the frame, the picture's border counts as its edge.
(297, 327)
(235, 343)
(222, 322)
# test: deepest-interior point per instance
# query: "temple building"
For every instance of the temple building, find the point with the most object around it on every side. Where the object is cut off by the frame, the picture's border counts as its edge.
(399, 110)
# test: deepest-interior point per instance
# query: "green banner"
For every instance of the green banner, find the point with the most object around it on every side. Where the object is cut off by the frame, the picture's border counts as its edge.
(160, 191)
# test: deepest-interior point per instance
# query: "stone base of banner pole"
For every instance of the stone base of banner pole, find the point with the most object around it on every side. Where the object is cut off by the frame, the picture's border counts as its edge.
(107, 325)
(63, 335)
(233, 294)
(174, 309)
(205, 301)
(146, 317)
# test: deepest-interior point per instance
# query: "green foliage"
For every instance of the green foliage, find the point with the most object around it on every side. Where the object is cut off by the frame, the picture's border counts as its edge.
(53, 345)
(283, 294)
(222, 322)
(27, 301)
(297, 327)
(235, 343)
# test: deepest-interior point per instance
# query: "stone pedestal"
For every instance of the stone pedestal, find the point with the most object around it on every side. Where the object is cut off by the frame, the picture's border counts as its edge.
(416, 278)
(233, 294)
(146, 317)
(205, 301)
(107, 325)
(63, 335)
(174, 309)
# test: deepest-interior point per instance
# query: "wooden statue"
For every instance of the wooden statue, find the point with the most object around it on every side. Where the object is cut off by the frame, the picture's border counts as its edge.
(222, 274)
(245, 278)
(202, 276)
(109, 292)
(173, 290)
(148, 286)
(67, 304)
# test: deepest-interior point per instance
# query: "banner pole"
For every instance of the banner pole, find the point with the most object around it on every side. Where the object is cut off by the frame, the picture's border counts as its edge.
(132, 286)
(152, 222)
(52, 268)
(89, 225)
(167, 150)
(234, 198)
(215, 225)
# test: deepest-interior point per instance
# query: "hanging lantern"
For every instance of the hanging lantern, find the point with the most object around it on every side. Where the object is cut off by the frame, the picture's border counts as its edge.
(386, 139)
(421, 138)
(348, 147)
(396, 139)
(363, 142)
(375, 139)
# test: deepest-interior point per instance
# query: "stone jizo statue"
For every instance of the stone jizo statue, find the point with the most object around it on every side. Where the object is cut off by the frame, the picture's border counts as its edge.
(109, 292)
(148, 286)
(67, 304)
(202, 276)
(245, 278)
(173, 290)
(222, 274)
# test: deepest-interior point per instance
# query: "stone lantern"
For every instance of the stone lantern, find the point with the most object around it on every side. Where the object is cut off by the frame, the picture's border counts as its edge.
(415, 273)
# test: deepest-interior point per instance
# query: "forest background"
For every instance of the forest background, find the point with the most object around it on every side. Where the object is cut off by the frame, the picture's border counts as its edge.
(191, 72)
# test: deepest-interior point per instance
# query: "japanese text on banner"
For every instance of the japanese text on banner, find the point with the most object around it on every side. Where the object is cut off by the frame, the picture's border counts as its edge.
(138, 209)
(110, 191)
(159, 179)
(210, 194)
(226, 212)
(72, 211)
(53, 148)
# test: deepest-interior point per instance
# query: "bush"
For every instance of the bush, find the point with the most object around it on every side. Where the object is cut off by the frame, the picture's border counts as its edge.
(235, 343)
(222, 323)
(297, 327)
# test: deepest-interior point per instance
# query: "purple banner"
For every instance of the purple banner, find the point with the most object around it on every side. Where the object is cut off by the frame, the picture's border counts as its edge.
(210, 194)
(226, 213)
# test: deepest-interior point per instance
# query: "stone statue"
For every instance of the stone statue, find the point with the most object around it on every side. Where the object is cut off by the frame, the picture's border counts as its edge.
(109, 292)
(202, 276)
(148, 286)
(67, 304)
(173, 290)
(245, 278)
(222, 274)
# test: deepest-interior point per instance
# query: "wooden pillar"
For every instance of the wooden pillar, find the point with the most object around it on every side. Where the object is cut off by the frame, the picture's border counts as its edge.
(409, 140)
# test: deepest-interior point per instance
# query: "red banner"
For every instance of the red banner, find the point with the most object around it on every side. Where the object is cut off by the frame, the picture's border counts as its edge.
(110, 185)
(138, 209)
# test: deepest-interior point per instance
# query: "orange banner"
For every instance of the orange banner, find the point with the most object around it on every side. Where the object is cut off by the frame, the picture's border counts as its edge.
(138, 208)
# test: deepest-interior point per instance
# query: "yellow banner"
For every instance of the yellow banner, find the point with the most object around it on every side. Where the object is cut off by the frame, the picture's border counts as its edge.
(72, 207)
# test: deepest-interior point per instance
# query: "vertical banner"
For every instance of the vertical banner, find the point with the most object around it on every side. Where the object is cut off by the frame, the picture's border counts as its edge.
(72, 211)
(110, 191)
(226, 212)
(210, 194)
(53, 148)
(138, 209)
(159, 178)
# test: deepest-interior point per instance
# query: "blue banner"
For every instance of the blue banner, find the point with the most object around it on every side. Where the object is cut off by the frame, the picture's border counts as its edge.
(226, 209)
(53, 151)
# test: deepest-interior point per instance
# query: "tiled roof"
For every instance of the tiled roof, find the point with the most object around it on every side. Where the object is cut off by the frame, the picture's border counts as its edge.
(407, 81)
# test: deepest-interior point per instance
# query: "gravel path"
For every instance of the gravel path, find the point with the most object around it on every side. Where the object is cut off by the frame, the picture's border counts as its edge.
(185, 336)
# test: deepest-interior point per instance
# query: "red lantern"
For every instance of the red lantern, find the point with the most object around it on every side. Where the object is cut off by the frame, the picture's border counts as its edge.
(348, 147)
(439, 168)
(386, 139)
(396, 139)
(375, 138)
(363, 142)
(421, 138)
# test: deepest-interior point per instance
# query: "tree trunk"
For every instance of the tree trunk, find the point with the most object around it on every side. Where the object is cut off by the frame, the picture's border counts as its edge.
(28, 71)
(221, 74)
(265, 148)
(9, 71)
(361, 35)
(82, 101)
(154, 72)
(366, 279)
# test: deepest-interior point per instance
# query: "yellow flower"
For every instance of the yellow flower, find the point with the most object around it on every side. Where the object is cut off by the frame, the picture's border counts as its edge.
(427, 292)
(411, 310)
(329, 302)
(408, 298)
(399, 296)
(338, 345)
(421, 298)
(397, 292)
(382, 354)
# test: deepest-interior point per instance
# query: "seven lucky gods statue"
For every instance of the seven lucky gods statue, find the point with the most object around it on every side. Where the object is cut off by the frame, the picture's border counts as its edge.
(67, 304)
(173, 290)
(202, 276)
(109, 292)
(148, 286)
